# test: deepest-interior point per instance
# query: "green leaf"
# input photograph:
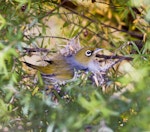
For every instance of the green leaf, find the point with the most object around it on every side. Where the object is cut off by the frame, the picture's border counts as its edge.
(2, 22)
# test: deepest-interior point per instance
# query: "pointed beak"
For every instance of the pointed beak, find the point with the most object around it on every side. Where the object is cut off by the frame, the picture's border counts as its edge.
(97, 50)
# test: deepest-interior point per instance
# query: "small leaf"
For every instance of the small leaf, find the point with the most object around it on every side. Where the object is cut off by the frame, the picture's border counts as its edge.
(2, 22)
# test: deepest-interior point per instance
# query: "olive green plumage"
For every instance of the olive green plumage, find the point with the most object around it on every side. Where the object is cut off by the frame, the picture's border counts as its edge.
(62, 68)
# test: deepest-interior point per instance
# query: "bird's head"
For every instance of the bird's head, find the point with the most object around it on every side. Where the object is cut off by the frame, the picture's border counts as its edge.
(86, 55)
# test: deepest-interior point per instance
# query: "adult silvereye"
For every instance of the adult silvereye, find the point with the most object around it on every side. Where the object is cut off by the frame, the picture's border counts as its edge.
(63, 68)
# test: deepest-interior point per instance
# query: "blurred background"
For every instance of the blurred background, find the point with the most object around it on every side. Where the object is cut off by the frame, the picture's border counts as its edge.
(35, 30)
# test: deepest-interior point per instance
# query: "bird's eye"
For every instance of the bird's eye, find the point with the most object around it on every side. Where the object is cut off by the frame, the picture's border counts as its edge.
(88, 53)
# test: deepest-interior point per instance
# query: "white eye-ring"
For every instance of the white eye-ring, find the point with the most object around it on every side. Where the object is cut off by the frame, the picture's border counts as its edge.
(88, 53)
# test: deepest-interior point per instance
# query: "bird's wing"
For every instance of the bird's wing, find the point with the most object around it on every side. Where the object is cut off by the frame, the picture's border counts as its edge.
(49, 61)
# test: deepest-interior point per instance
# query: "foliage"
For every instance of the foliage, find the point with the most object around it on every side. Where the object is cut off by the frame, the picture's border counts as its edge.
(120, 26)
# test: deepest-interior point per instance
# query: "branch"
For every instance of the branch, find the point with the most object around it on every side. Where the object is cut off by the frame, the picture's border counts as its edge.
(35, 49)
(132, 33)
(52, 37)
(107, 57)
(58, 5)
(97, 34)
(41, 17)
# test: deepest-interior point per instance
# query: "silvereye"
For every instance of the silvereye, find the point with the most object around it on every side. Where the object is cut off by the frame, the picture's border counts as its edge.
(63, 68)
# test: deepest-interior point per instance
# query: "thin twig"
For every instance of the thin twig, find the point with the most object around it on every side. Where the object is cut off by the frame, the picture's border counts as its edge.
(52, 37)
(41, 17)
(98, 35)
(46, 36)
(107, 57)
(58, 6)
(35, 49)
(132, 33)
(85, 27)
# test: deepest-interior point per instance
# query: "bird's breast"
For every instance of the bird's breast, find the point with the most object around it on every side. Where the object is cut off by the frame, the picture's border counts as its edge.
(75, 64)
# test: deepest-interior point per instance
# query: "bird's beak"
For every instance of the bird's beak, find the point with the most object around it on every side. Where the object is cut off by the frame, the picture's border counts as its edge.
(97, 50)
